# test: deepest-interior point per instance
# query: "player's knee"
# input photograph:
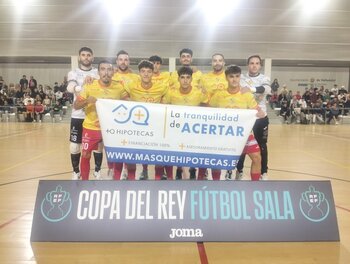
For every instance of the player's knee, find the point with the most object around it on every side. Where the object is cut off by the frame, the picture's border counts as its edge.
(86, 154)
(75, 148)
(99, 148)
(255, 157)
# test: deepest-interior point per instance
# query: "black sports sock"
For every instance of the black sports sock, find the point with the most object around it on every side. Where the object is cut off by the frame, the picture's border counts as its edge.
(75, 159)
(98, 160)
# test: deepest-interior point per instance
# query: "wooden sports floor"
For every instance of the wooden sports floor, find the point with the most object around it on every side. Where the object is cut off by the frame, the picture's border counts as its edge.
(31, 152)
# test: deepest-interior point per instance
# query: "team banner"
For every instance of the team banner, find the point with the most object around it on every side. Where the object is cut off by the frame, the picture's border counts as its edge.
(184, 211)
(162, 134)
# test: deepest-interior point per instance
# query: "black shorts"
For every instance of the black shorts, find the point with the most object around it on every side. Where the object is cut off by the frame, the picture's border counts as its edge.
(76, 130)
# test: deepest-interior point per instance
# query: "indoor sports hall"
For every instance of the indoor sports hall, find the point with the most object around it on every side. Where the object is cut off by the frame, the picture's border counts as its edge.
(304, 45)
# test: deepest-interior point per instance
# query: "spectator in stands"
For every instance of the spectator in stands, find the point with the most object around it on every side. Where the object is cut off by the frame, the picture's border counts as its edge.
(59, 97)
(298, 96)
(38, 111)
(32, 84)
(56, 87)
(334, 113)
(28, 100)
(23, 82)
(2, 83)
(274, 100)
(317, 112)
(57, 110)
(304, 112)
(30, 111)
(347, 104)
(47, 102)
(295, 109)
(275, 85)
(285, 111)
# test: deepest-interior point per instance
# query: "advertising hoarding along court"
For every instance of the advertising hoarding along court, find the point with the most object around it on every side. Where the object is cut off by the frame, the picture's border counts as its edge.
(163, 134)
(98, 211)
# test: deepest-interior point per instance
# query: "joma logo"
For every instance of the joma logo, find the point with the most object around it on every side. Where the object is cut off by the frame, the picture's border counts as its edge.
(186, 232)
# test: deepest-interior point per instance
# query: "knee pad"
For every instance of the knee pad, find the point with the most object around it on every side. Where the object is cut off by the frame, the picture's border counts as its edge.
(74, 148)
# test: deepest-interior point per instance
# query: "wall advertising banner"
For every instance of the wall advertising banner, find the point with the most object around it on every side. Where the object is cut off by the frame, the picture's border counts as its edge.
(173, 135)
(184, 211)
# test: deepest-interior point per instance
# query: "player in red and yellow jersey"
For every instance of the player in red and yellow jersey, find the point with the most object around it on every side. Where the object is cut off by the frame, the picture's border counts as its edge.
(215, 80)
(232, 97)
(185, 60)
(127, 76)
(102, 88)
(146, 91)
(123, 72)
(186, 95)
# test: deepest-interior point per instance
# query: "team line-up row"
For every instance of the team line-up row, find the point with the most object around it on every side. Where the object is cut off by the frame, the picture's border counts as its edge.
(221, 88)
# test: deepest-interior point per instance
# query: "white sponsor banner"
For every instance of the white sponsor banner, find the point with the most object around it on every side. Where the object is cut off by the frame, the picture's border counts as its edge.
(145, 133)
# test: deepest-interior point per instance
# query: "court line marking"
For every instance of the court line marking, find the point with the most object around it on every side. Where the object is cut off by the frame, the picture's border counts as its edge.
(25, 161)
(202, 254)
(325, 160)
(13, 220)
(20, 133)
(330, 136)
(342, 208)
(310, 174)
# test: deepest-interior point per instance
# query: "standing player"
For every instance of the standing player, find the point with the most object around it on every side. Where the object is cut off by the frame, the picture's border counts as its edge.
(185, 60)
(186, 57)
(164, 78)
(75, 83)
(187, 95)
(145, 90)
(215, 80)
(128, 77)
(259, 85)
(102, 88)
(212, 82)
(233, 97)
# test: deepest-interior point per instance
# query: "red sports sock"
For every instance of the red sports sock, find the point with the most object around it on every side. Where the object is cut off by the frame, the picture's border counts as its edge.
(131, 171)
(118, 168)
(216, 174)
(169, 172)
(201, 173)
(84, 168)
(158, 172)
(255, 176)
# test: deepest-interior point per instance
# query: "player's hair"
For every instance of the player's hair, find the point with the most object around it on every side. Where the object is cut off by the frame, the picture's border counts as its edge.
(185, 70)
(104, 62)
(233, 69)
(85, 49)
(186, 50)
(220, 54)
(254, 56)
(122, 52)
(145, 64)
(155, 58)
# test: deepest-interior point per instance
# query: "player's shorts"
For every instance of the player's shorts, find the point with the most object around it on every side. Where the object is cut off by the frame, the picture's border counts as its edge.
(91, 139)
(76, 130)
(251, 146)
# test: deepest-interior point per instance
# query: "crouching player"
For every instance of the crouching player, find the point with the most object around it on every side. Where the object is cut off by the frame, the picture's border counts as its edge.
(104, 88)
(232, 97)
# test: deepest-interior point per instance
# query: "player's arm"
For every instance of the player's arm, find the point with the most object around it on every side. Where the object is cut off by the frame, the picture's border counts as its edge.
(83, 99)
(73, 86)
(252, 104)
(82, 102)
(264, 88)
